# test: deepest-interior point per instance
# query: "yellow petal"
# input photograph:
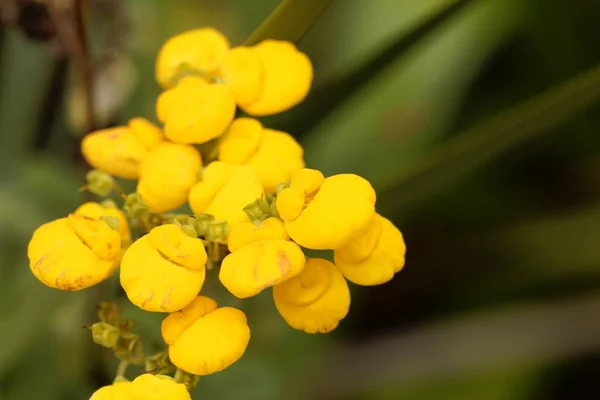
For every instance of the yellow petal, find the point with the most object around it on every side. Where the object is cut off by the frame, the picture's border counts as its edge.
(200, 49)
(246, 233)
(241, 141)
(363, 243)
(242, 70)
(212, 342)
(167, 176)
(158, 387)
(115, 151)
(259, 265)
(343, 205)
(277, 159)
(59, 258)
(176, 323)
(224, 192)
(379, 267)
(315, 300)
(287, 75)
(146, 133)
(96, 211)
(163, 272)
(116, 391)
(167, 100)
(199, 114)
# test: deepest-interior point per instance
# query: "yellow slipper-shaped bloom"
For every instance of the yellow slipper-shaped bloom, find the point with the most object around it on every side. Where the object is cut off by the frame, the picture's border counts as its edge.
(268, 78)
(116, 391)
(374, 256)
(157, 387)
(195, 51)
(167, 175)
(224, 191)
(204, 339)
(97, 211)
(260, 257)
(316, 300)
(74, 253)
(273, 154)
(164, 270)
(195, 111)
(119, 151)
(324, 213)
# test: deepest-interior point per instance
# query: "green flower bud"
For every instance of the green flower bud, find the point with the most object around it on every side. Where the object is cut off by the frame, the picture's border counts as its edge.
(100, 183)
(105, 334)
(135, 206)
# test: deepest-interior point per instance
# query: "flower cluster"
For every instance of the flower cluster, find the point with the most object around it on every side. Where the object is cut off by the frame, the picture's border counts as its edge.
(256, 209)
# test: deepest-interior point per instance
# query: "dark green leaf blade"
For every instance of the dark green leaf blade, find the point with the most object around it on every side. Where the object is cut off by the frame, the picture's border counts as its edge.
(323, 101)
(290, 21)
(481, 144)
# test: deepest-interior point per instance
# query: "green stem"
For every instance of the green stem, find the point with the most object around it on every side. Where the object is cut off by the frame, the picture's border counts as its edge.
(121, 370)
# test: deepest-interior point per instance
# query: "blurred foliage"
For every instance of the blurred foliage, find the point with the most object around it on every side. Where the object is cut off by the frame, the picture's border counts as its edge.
(440, 103)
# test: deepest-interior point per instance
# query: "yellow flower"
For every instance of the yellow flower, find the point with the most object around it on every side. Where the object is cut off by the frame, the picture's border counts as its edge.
(167, 175)
(225, 190)
(164, 270)
(73, 253)
(97, 211)
(116, 391)
(261, 257)
(268, 78)
(316, 300)
(195, 111)
(273, 154)
(374, 255)
(204, 339)
(119, 151)
(324, 213)
(196, 51)
(157, 387)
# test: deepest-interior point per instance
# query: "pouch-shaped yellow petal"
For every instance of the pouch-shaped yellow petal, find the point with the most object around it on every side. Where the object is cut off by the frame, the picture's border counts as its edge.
(242, 70)
(200, 50)
(224, 192)
(287, 77)
(213, 342)
(176, 323)
(363, 242)
(245, 233)
(164, 270)
(273, 154)
(96, 211)
(157, 387)
(381, 264)
(343, 205)
(167, 100)
(146, 133)
(197, 113)
(259, 265)
(167, 175)
(71, 254)
(315, 300)
(116, 391)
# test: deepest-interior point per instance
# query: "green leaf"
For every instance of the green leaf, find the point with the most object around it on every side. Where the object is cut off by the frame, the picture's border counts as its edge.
(481, 144)
(323, 101)
(290, 21)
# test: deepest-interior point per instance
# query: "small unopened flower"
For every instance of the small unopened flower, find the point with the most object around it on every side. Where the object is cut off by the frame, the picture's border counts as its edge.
(74, 253)
(260, 257)
(268, 78)
(195, 111)
(164, 270)
(119, 151)
(374, 255)
(144, 387)
(224, 191)
(167, 175)
(314, 301)
(204, 339)
(273, 154)
(198, 51)
(324, 213)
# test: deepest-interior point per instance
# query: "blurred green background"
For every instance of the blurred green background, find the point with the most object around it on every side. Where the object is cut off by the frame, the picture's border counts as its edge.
(477, 123)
